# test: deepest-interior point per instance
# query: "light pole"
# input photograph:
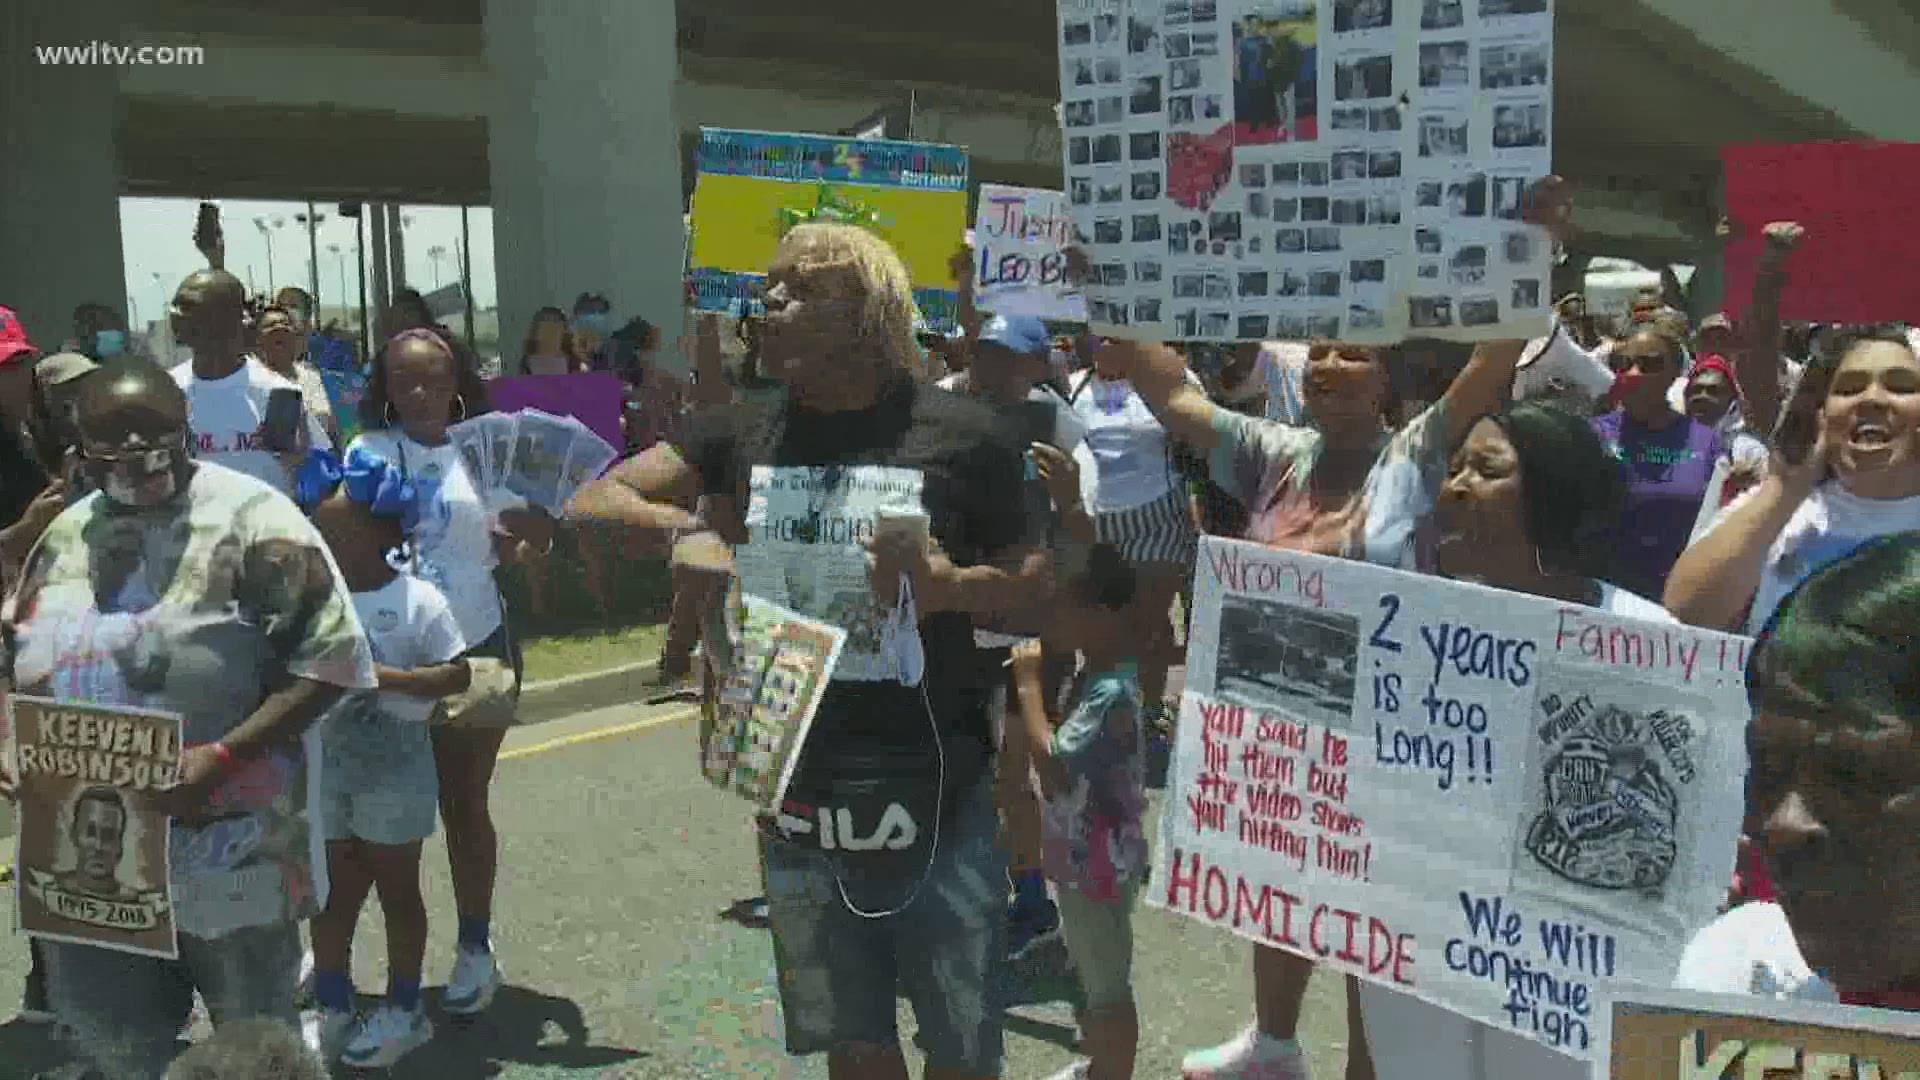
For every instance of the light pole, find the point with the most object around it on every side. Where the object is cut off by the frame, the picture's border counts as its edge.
(266, 231)
(434, 255)
(312, 219)
(340, 263)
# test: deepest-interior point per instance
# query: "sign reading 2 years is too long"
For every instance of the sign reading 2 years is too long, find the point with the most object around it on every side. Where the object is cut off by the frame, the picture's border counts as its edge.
(1504, 805)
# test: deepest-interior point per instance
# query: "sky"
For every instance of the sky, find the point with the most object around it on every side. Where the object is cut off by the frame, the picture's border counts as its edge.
(157, 239)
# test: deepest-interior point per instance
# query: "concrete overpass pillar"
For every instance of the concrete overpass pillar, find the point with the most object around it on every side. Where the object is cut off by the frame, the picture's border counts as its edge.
(59, 173)
(584, 156)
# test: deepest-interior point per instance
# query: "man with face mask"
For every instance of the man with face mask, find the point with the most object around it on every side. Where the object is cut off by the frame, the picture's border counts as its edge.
(99, 332)
(230, 393)
(220, 603)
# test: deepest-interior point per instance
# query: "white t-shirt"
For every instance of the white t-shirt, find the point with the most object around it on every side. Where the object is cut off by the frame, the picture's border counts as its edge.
(1557, 364)
(226, 416)
(1750, 950)
(1123, 458)
(409, 625)
(1830, 523)
(453, 540)
(1412, 1040)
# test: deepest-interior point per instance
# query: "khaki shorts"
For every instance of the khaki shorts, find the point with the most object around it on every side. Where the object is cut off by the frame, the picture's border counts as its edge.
(1099, 941)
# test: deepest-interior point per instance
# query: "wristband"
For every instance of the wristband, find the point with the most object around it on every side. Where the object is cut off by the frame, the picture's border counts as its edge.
(224, 755)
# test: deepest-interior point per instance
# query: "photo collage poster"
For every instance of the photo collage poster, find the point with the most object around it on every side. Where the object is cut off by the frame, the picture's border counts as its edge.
(1298, 169)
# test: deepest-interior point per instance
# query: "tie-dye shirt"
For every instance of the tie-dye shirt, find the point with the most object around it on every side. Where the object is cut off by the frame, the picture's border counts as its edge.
(199, 608)
(1091, 834)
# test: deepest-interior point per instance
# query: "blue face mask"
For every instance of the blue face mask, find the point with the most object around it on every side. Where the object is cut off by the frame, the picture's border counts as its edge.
(594, 322)
(109, 342)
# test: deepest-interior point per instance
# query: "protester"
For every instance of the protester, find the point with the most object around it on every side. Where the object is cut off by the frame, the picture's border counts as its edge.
(49, 455)
(922, 915)
(23, 441)
(592, 324)
(550, 348)
(418, 388)
(1092, 772)
(1133, 486)
(281, 346)
(1530, 501)
(99, 332)
(248, 633)
(1666, 459)
(1835, 686)
(1010, 365)
(378, 791)
(229, 392)
(1846, 469)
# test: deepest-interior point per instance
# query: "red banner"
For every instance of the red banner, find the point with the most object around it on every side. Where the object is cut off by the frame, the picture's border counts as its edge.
(1856, 200)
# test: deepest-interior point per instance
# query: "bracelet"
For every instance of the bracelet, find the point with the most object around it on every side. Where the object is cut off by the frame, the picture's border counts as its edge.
(224, 755)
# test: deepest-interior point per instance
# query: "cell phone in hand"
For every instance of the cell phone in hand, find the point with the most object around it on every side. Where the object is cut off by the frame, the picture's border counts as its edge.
(285, 412)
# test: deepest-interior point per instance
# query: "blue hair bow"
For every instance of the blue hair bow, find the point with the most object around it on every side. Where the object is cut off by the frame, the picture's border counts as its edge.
(370, 480)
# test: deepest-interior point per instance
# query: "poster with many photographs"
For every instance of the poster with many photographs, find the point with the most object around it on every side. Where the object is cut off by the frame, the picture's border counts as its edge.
(1292, 169)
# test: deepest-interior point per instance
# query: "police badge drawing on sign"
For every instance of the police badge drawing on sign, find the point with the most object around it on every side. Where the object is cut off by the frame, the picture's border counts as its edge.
(1613, 805)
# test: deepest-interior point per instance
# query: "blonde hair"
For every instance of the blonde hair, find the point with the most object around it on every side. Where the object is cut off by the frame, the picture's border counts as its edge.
(862, 267)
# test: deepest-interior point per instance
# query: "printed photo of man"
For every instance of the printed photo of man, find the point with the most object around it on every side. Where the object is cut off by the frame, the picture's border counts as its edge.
(98, 832)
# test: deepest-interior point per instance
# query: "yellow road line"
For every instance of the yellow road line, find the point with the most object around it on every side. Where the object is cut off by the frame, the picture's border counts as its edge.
(598, 734)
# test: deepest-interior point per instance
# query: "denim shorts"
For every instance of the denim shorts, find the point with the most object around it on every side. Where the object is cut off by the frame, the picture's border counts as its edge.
(1099, 939)
(125, 1010)
(840, 971)
(377, 780)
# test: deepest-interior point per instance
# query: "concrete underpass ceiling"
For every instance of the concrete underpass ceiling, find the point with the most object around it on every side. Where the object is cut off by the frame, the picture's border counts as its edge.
(1642, 103)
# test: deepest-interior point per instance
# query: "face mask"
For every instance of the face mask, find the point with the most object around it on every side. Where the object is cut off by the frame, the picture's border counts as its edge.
(109, 342)
(594, 322)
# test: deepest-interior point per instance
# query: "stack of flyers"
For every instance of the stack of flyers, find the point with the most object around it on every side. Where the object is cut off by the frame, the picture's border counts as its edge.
(536, 456)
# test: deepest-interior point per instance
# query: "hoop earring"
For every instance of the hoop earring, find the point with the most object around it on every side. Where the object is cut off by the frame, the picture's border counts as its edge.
(461, 401)
(388, 413)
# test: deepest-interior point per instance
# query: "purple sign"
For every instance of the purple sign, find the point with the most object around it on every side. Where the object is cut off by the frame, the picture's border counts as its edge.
(593, 399)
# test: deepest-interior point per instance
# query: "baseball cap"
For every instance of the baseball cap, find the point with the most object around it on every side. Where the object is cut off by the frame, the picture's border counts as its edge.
(1023, 334)
(62, 368)
(13, 337)
(1716, 321)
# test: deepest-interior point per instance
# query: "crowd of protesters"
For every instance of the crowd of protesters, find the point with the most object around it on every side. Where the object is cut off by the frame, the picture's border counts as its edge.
(183, 540)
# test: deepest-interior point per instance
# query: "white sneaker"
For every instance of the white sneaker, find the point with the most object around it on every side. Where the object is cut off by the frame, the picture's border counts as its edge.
(1076, 1071)
(304, 993)
(390, 1034)
(326, 1031)
(470, 989)
(1253, 1055)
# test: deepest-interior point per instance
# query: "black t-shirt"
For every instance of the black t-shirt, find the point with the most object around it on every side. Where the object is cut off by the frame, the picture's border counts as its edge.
(21, 477)
(969, 470)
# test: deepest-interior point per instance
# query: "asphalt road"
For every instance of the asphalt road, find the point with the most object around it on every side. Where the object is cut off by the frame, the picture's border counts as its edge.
(617, 861)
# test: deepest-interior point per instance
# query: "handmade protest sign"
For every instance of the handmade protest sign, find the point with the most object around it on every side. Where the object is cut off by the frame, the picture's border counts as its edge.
(777, 664)
(1675, 1035)
(1853, 265)
(94, 862)
(754, 185)
(1293, 169)
(1500, 804)
(1020, 236)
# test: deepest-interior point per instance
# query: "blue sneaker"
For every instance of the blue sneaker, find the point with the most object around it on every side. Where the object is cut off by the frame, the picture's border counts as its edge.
(1029, 927)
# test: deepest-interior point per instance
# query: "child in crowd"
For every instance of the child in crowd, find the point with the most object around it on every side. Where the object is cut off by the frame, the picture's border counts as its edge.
(379, 795)
(1093, 782)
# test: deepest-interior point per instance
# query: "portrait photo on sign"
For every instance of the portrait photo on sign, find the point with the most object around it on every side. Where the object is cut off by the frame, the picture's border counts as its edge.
(1144, 186)
(1143, 146)
(1180, 109)
(1349, 15)
(1315, 208)
(1147, 272)
(1142, 36)
(1616, 799)
(1442, 14)
(1526, 294)
(1296, 660)
(1323, 239)
(1383, 118)
(1363, 78)
(1362, 317)
(1252, 328)
(1503, 67)
(1443, 65)
(1508, 195)
(1146, 96)
(1285, 211)
(1479, 311)
(1516, 126)
(1350, 118)
(1323, 283)
(1468, 198)
(1207, 44)
(1076, 33)
(1430, 312)
(1276, 71)
(1443, 135)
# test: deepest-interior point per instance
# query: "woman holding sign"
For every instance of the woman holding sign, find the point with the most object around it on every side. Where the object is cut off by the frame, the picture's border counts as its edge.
(1346, 486)
(417, 389)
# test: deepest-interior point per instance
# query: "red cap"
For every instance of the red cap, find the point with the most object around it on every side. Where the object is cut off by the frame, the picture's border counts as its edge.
(13, 338)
